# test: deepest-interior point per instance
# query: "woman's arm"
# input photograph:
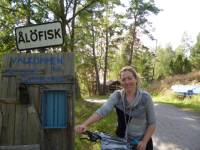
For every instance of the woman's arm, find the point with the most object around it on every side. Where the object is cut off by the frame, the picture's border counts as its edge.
(100, 113)
(151, 120)
(148, 134)
(92, 119)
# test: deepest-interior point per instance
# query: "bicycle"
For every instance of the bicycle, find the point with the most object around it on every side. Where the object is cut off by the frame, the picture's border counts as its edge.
(109, 142)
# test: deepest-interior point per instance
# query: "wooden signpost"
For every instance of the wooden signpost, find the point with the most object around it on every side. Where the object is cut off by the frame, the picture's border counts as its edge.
(37, 98)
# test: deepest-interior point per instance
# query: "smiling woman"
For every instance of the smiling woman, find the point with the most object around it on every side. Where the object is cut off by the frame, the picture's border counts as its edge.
(135, 112)
(129, 81)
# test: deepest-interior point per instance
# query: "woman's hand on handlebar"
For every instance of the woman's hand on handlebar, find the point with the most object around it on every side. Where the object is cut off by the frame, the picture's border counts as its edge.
(141, 145)
(80, 128)
(92, 119)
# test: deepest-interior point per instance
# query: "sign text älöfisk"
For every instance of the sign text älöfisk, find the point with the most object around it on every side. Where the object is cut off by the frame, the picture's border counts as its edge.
(37, 36)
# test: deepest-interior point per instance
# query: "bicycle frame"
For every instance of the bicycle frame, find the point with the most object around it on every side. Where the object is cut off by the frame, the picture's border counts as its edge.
(108, 142)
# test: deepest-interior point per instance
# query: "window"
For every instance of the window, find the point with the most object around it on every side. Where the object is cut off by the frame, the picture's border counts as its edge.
(54, 109)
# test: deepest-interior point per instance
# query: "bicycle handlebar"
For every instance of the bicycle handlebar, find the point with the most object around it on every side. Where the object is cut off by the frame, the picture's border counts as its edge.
(92, 136)
(105, 139)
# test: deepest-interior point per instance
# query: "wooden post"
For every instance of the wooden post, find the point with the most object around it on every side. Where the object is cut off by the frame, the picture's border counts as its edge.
(21, 147)
(9, 100)
(0, 122)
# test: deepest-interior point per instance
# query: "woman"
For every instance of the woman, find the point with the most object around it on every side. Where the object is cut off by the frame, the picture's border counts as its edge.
(134, 108)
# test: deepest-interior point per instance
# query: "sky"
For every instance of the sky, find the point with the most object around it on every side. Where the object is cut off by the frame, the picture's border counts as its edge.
(177, 17)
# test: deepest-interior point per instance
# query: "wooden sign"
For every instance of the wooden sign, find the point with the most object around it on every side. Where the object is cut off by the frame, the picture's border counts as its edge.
(37, 91)
(37, 36)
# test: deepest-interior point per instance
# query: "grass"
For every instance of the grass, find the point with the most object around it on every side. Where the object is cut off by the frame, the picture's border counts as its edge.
(96, 97)
(83, 110)
(187, 103)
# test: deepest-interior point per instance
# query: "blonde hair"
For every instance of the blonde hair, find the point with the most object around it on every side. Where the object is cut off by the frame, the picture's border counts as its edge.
(133, 71)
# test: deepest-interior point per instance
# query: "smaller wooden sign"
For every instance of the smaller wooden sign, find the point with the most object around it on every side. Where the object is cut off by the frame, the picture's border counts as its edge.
(40, 35)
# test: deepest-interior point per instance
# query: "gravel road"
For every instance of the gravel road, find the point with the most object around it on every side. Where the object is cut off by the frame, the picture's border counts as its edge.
(176, 129)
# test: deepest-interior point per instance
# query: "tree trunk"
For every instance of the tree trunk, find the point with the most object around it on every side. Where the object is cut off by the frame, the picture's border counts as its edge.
(28, 21)
(64, 23)
(73, 26)
(95, 63)
(106, 62)
(132, 46)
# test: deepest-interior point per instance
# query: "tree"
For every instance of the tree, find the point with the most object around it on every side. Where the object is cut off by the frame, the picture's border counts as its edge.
(163, 59)
(102, 39)
(195, 54)
(88, 55)
(39, 11)
(109, 28)
(92, 30)
(185, 46)
(8, 23)
(187, 67)
(138, 13)
(186, 43)
(143, 62)
(26, 12)
(176, 66)
(180, 65)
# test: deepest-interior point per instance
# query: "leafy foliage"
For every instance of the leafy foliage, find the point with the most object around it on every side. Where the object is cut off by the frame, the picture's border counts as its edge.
(138, 13)
(180, 65)
(195, 54)
(144, 64)
(103, 39)
(163, 58)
